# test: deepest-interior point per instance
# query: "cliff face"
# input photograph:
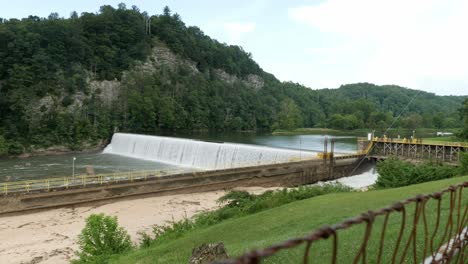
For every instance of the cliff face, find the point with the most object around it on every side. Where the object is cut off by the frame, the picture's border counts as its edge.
(162, 58)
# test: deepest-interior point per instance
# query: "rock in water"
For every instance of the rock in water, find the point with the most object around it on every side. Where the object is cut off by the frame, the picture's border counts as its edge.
(207, 253)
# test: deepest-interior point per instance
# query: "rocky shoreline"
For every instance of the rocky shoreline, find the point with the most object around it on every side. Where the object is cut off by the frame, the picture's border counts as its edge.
(62, 150)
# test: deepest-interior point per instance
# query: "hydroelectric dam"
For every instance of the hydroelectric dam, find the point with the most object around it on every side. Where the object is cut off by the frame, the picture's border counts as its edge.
(205, 166)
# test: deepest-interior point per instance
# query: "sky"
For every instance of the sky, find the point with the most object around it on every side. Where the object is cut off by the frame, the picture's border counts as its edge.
(419, 44)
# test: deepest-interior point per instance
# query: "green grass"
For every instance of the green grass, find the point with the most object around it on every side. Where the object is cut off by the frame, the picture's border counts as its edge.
(297, 219)
(362, 132)
(312, 131)
(442, 139)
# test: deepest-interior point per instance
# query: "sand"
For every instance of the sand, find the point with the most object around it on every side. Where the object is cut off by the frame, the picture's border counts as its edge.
(51, 236)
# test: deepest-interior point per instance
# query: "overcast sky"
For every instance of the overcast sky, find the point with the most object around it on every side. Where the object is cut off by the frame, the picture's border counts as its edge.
(420, 44)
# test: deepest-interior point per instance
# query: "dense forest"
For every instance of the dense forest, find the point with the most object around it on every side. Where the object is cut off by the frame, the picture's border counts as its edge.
(48, 68)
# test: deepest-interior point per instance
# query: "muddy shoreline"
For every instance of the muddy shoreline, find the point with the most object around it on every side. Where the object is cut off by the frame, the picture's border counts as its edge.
(60, 150)
(50, 236)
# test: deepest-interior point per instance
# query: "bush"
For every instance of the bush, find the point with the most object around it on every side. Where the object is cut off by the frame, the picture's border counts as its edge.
(464, 163)
(3, 146)
(237, 204)
(15, 148)
(101, 238)
(396, 173)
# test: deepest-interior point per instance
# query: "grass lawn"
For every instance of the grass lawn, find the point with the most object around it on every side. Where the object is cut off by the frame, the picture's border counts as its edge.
(311, 131)
(362, 132)
(300, 218)
(442, 139)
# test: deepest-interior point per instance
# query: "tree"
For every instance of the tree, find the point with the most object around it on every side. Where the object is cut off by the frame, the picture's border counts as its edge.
(289, 116)
(464, 115)
(3, 146)
(102, 237)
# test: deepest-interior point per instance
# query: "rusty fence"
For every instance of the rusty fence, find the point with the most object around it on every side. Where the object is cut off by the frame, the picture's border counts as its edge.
(425, 229)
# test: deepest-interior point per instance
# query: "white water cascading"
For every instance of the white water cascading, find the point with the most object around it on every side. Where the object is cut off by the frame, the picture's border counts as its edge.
(199, 154)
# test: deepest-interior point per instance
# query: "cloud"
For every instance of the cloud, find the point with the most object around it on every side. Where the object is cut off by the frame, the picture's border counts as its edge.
(400, 41)
(236, 30)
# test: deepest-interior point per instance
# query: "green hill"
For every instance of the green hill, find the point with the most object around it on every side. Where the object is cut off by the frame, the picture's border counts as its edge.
(74, 81)
(300, 218)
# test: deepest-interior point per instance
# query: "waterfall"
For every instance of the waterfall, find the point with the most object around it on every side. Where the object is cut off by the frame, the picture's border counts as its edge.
(198, 154)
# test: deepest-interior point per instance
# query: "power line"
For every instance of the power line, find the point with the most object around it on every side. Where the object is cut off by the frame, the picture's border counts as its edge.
(391, 125)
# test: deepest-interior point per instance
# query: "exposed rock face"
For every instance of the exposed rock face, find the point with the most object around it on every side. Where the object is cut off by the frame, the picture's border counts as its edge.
(254, 81)
(207, 253)
(108, 91)
(46, 103)
(162, 56)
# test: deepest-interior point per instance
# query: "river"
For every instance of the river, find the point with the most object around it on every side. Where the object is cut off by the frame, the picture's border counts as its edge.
(13, 169)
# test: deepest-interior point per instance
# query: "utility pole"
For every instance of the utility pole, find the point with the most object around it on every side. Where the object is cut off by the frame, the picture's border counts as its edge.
(73, 168)
(300, 148)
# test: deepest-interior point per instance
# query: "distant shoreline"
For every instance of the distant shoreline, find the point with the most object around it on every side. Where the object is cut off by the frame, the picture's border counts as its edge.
(59, 150)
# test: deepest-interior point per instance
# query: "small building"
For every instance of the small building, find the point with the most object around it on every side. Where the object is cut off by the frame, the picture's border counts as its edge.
(442, 134)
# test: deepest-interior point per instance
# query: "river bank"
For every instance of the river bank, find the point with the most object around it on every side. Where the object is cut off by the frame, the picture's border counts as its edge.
(362, 132)
(51, 236)
(62, 150)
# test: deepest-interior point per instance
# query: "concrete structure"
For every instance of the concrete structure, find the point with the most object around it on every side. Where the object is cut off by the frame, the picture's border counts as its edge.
(283, 174)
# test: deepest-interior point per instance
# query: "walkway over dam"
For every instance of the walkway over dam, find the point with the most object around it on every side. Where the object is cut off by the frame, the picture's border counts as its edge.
(416, 149)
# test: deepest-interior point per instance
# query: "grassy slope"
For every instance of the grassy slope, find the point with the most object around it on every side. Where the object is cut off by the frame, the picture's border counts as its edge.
(296, 219)
(442, 139)
(362, 132)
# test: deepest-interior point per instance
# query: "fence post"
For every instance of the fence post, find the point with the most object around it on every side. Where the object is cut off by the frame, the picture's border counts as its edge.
(131, 176)
(65, 182)
(5, 188)
(27, 186)
(100, 178)
(48, 185)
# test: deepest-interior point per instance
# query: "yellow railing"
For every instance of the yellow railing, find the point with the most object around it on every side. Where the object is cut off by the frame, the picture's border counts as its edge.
(420, 141)
(49, 184)
(80, 180)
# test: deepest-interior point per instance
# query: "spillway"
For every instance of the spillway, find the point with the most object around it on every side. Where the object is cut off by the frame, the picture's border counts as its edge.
(199, 154)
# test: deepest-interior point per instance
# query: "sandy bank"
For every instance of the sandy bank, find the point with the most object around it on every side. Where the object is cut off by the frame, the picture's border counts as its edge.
(50, 236)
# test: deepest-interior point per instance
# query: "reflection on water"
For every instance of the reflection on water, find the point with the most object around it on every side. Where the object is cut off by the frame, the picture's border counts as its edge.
(309, 142)
(62, 165)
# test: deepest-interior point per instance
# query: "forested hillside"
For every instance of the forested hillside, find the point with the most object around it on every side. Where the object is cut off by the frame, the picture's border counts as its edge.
(74, 81)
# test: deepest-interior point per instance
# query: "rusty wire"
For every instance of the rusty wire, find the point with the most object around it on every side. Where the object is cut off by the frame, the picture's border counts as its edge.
(452, 247)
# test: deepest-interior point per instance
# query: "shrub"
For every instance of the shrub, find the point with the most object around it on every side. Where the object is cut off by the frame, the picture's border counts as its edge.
(100, 238)
(396, 173)
(15, 148)
(3, 146)
(237, 204)
(464, 163)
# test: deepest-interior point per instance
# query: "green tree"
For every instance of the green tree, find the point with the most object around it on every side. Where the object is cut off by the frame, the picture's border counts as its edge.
(3, 146)
(289, 116)
(464, 115)
(100, 238)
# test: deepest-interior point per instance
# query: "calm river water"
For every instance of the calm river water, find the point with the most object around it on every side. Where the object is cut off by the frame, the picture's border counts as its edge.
(62, 165)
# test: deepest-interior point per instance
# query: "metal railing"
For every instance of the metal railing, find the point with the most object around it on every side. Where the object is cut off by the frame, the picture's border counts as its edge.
(48, 184)
(444, 237)
(55, 183)
(420, 141)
